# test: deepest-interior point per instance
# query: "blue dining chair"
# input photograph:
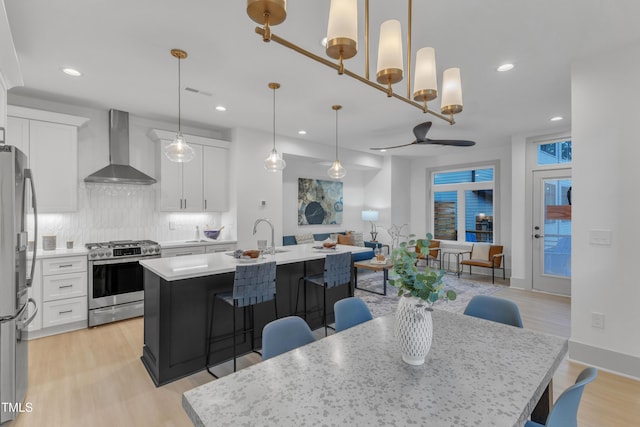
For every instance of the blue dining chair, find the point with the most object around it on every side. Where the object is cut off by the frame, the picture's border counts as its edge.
(350, 312)
(284, 334)
(495, 309)
(565, 411)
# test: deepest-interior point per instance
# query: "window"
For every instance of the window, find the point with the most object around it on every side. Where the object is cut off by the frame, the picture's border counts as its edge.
(554, 153)
(463, 204)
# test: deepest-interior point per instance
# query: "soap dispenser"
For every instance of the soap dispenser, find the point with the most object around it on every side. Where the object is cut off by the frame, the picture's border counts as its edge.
(197, 233)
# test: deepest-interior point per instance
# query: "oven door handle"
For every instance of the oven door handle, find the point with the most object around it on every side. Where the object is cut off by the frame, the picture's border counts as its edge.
(121, 260)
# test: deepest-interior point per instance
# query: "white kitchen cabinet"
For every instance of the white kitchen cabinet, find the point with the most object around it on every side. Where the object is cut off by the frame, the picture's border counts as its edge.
(200, 185)
(183, 251)
(227, 247)
(60, 290)
(50, 141)
(215, 179)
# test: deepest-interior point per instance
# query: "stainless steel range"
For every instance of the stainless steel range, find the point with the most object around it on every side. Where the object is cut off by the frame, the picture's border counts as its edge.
(116, 289)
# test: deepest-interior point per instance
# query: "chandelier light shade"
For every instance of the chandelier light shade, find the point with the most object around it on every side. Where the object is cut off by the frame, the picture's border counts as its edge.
(342, 31)
(336, 171)
(390, 61)
(451, 91)
(425, 85)
(179, 151)
(273, 162)
(342, 43)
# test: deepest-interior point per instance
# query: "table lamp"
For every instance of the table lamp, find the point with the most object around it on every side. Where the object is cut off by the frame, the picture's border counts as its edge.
(370, 215)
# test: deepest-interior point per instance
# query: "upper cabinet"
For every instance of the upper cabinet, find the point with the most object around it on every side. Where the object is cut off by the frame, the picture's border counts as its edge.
(50, 141)
(201, 185)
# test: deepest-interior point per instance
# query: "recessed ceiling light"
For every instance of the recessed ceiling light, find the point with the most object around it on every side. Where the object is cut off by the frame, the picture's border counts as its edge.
(323, 42)
(71, 72)
(505, 67)
(556, 118)
(302, 132)
(221, 108)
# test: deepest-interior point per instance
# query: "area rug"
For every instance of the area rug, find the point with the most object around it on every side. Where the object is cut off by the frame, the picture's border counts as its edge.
(381, 305)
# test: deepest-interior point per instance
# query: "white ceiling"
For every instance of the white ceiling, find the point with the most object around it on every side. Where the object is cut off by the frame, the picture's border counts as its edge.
(122, 47)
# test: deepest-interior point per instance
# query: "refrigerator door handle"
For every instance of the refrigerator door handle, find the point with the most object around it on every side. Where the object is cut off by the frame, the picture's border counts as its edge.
(33, 316)
(17, 315)
(29, 175)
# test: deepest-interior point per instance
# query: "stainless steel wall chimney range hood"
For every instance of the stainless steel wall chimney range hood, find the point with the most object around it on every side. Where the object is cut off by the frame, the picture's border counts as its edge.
(119, 171)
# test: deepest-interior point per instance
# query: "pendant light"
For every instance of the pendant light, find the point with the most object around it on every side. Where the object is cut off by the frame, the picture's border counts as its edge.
(274, 163)
(336, 171)
(179, 150)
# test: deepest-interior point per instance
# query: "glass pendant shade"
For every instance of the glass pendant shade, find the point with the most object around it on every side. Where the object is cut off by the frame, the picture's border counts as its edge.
(425, 83)
(179, 151)
(451, 91)
(336, 171)
(342, 31)
(390, 61)
(274, 163)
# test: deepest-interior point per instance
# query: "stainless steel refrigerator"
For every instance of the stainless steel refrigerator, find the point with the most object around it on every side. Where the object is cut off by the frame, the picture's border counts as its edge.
(15, 310)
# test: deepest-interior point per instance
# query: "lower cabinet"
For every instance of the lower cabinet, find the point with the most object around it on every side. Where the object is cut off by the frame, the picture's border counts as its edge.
(60, 291)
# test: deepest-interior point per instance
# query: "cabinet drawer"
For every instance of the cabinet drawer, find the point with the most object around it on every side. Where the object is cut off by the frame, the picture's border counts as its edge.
(60, 286)
(189, 250)
(73, 264)
(64, 311)
(221, 248)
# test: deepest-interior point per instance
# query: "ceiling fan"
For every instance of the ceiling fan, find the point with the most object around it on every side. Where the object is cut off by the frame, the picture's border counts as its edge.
(420, 132)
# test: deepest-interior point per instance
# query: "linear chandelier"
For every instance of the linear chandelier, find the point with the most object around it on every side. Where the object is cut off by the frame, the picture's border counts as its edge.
(342, 43)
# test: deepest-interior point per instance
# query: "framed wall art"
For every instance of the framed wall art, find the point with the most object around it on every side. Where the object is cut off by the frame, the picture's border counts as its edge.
(319, 202)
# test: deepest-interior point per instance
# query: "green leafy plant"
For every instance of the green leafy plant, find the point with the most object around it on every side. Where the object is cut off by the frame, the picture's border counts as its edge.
(410, 281)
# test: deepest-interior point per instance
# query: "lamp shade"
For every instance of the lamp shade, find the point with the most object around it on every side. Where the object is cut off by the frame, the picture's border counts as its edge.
(336, 171)
(179, 151)
(342, 31)
(451, 91)
(425, 83)
(273, 162)
(369, 215)
(390, 60)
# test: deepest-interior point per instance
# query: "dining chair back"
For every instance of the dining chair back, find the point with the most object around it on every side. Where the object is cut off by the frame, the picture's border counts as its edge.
(495, 309)
(350, 312)
(565, 411)
(285, 334)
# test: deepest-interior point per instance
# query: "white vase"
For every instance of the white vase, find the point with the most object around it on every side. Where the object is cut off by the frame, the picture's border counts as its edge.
(413, 329)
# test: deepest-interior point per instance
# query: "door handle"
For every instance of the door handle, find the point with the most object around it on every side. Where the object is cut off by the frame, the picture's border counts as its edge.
(537, 236)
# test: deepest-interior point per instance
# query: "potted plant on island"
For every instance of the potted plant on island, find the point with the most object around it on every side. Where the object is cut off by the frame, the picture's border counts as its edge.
(418, 291)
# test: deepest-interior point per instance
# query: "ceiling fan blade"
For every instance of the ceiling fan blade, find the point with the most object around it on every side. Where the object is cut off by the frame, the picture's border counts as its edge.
(454, 142)
(420, 131)
(394, 146)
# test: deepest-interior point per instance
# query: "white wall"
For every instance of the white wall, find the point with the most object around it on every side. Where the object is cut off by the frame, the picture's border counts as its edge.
(605, 91)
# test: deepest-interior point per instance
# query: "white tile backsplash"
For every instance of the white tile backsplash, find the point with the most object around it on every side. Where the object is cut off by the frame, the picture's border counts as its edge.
(121, 212)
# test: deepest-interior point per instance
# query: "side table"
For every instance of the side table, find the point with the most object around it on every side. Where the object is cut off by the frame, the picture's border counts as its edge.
(446, 255)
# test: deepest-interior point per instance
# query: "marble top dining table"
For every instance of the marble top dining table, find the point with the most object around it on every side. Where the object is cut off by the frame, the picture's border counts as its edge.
(477, 373)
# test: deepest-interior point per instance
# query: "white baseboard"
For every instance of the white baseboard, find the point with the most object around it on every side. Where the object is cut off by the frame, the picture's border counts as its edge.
(618, 363)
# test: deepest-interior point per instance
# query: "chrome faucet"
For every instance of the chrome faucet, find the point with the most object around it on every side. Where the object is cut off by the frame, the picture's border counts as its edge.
(272, 250)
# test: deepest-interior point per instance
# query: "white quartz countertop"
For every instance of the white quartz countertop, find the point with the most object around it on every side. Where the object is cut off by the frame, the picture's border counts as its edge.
(60, 252)
(187, 267)
(187, 243)
(477, 373)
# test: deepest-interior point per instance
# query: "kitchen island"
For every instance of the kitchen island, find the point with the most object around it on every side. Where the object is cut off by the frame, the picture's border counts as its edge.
(179, 293)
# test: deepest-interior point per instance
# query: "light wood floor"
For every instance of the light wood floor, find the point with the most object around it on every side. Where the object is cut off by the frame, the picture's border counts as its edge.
(95, 376)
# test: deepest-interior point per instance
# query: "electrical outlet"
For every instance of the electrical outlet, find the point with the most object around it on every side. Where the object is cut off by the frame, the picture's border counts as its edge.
(172, 225)
(597, 320)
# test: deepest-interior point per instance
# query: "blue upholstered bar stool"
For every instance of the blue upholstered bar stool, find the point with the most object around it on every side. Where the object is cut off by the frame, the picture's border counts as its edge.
(337, 271)
(252, 284)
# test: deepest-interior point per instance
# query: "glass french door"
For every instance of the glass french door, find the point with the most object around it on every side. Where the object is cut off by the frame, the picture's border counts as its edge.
(551, 234)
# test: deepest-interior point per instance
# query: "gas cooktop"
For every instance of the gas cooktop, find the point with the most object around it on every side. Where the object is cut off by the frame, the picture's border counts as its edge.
(123, 248)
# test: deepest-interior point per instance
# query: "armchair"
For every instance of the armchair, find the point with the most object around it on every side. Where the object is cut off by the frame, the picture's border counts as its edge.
(433, 254)
(487, 256)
